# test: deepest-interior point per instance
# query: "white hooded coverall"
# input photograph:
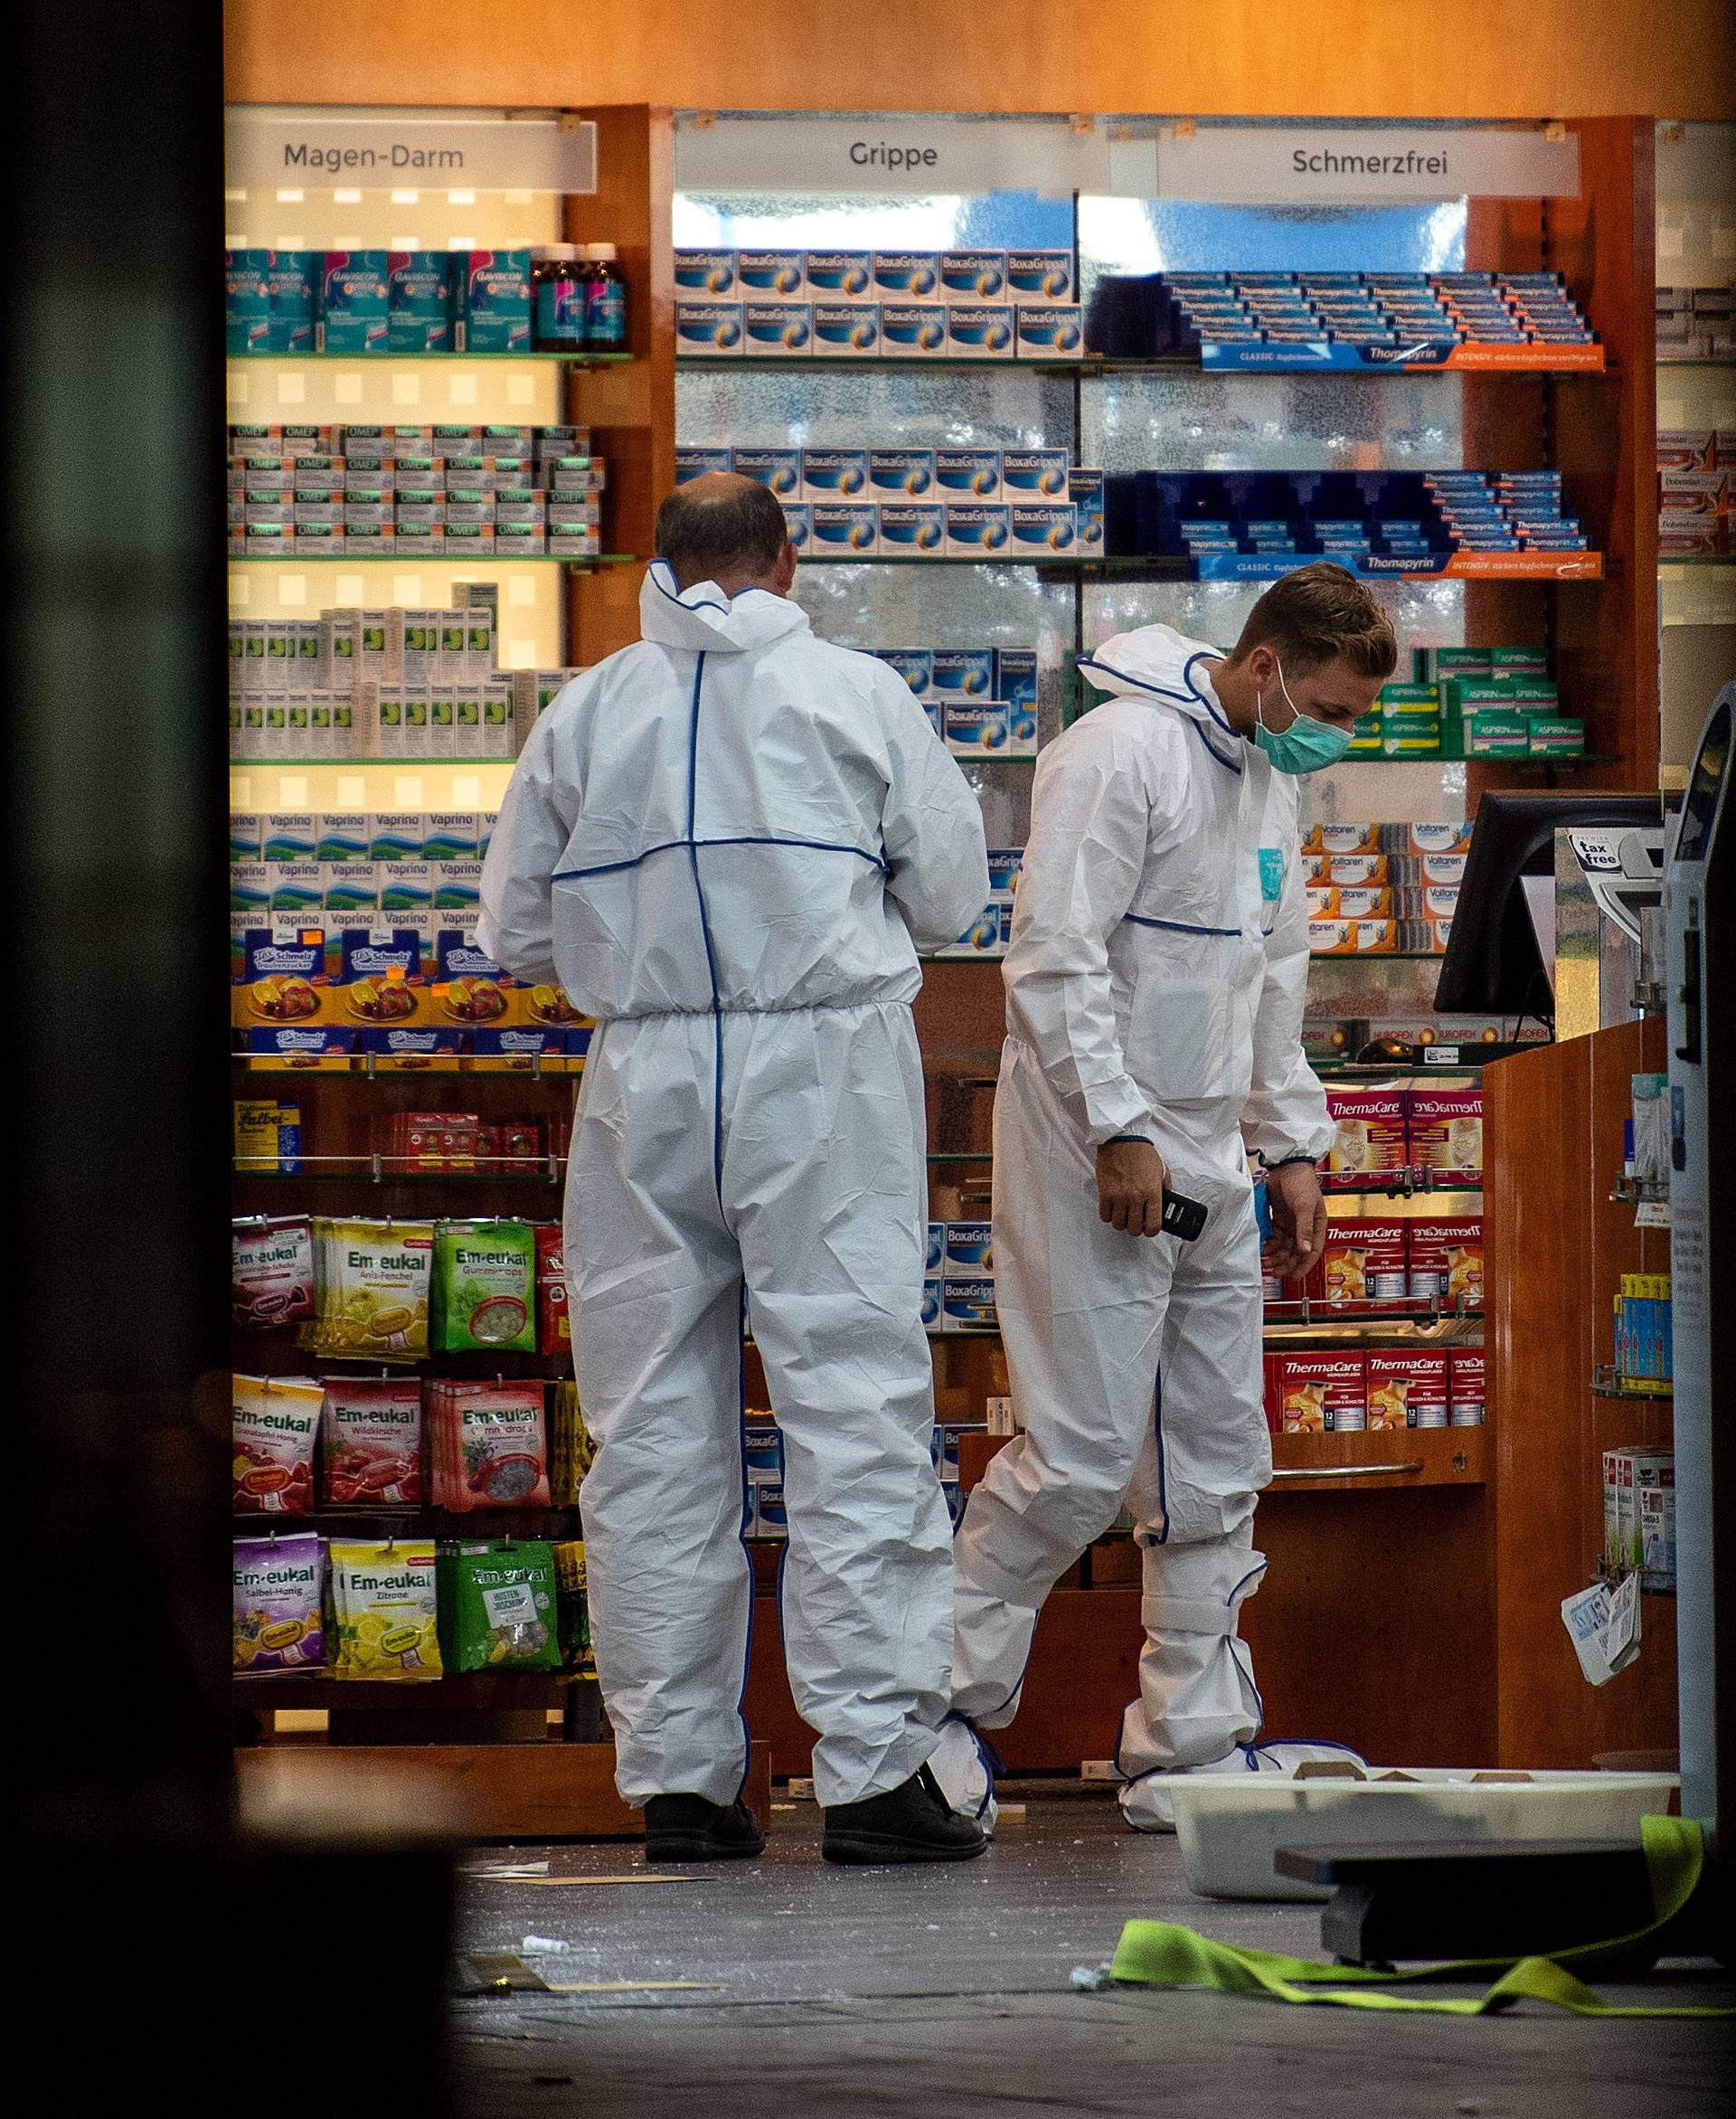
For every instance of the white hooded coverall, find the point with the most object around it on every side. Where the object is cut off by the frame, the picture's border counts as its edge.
(728, 844)
(1155, 989)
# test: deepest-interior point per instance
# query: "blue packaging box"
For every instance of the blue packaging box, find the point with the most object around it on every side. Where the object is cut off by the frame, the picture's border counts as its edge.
(295, 298)
(977, 528)
(972, 275)
(915, 529)
(353, 315)
(418, 301)
(912, 330)
(246, 301)
(1042, 529)
(932, 1314)
(936, 713)
(708, 327)
(1085, 490)
(969, 1247)
(1015, 675)
(1005, 866)
(776, 327)
(1033, 474)
(967, 474)
(851, 329)
(711, 273)
(840, 274)
(835, 473)
(780, 469)
(766, 275)
(1049, 331)
(844, 527)
(914, 665)
(798, 525)
(937, 1248)
(901, 474)
(693, 463)
(962, 672)
(492, 296)
(974, 726)
(967, 1302)
(907, 276)
(1041, 276)
(979, 331)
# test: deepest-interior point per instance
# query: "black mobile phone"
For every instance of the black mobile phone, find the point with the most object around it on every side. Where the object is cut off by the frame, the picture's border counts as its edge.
(1182, 1217)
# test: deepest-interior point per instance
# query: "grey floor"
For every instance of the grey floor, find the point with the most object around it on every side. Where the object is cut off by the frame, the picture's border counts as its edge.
(836, 1992)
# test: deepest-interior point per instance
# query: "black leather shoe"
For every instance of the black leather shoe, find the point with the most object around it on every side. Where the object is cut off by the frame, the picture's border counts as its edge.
(689, 1828)
(910, 1824)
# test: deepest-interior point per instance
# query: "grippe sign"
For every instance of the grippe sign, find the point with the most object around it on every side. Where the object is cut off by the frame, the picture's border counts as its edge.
(375, 149)
(926, 156)
(1274, 165)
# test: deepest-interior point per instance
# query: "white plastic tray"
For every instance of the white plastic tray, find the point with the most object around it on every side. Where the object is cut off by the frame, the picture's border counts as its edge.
(1231, 1824)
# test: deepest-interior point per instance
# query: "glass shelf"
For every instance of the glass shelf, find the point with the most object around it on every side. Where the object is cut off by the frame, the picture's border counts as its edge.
(1675, 559)
(359, 764)
(448, 359)
(1093, 365)
(1170, 567)
(400, 559)
(370, 1169)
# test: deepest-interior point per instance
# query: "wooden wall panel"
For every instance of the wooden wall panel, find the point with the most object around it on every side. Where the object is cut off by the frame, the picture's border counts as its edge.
(1557, 1246)
(1268, 57)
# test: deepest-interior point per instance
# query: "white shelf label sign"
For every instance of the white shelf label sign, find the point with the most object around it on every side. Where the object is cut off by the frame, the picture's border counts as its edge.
(375, 150)
(1275, 164)
(927, 155)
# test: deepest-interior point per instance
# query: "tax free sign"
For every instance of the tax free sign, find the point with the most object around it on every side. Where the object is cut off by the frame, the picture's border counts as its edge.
(370, 149)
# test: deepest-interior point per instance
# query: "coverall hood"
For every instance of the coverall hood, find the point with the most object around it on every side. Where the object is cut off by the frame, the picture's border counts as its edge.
(1157, 663)
(706, 620)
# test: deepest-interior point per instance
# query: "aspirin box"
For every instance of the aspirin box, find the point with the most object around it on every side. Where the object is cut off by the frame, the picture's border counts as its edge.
(708, 327)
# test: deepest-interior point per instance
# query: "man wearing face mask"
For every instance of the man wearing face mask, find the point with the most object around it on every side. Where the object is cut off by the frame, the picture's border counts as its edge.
(1154, 995)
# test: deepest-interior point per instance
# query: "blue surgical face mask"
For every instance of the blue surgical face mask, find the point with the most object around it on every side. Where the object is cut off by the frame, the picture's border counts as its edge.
(1308, 746)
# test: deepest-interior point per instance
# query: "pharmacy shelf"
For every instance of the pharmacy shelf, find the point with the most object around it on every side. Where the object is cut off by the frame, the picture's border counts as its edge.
(418, 559)
(1379, 1458)
(415, 1521)
(386, 358)
(333, 764)
(1544, 568)
(1671, 561)
(372, 1169)
(487, 1690)
(1228, 361)
(1607, 1384)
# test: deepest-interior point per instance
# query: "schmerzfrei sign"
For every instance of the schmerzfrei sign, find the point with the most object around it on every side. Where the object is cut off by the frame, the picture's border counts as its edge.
(372, 150)
(1261, 165)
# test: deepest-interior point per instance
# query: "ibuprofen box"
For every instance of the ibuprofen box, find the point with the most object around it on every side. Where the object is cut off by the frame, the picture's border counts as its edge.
(1406, 1389)
(1446, 1261)
(1446, 1132)
(1368, 1148)
(1321, 1394)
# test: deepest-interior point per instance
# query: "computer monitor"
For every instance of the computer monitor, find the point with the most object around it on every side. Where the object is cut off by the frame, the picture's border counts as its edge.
(1493, 964)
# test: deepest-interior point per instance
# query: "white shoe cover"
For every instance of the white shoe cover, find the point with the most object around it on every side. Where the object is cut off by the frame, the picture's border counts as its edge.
(1149, 1805)
(960, 1763)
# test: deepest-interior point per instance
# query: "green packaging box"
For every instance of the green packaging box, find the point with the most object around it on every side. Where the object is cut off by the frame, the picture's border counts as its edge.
(1511, 695)
(1433, 665)
(1519, 661)
(1365, 735)
(1418, 697)
(1497, 736)
(1410, 735)
(1555, 739)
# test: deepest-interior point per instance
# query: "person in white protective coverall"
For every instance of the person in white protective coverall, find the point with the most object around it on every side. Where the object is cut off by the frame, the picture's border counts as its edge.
(729, 843)
(1154, 994)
